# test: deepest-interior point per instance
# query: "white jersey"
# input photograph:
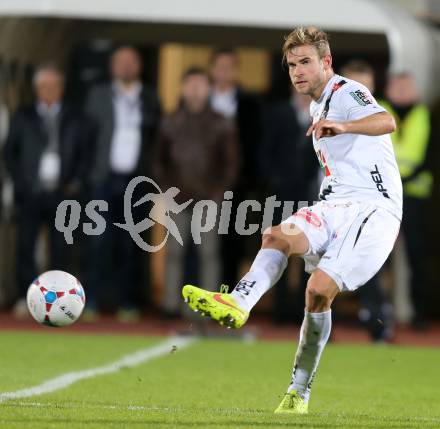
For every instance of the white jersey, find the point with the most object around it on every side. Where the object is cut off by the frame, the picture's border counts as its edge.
(357, 167)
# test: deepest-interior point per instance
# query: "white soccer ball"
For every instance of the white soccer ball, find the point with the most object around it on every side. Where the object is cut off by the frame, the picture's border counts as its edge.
(56, 298)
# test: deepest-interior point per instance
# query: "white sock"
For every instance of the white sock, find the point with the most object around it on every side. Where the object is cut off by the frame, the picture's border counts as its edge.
(266, 270)
(315, 331)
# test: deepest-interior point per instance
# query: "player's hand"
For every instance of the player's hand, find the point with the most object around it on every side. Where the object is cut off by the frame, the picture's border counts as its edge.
(326, 128)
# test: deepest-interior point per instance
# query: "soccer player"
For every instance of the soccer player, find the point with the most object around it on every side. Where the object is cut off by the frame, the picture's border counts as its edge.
(344, 238)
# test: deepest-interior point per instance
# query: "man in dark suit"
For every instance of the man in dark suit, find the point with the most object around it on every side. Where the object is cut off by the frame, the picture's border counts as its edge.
(233, 102)
(125, 114)
(47, 154)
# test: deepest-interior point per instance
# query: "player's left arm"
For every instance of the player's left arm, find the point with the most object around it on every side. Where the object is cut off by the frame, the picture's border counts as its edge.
(376, 124)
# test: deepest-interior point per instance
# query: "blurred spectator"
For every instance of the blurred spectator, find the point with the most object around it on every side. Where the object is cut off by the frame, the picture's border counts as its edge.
(47, 156)
(233, 102)
(4, 121)
(360, 71)
(196, 152)
(375, 312)
(5, 185)
(412, 145)
(291, 170)
(125, 114)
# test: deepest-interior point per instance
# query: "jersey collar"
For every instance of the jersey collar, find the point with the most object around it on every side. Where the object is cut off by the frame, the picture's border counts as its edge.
(328, 87)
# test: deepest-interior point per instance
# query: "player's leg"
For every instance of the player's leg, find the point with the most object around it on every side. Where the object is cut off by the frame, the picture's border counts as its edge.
(366, 237)
(315, 331)
(233, 309)
(278, 243)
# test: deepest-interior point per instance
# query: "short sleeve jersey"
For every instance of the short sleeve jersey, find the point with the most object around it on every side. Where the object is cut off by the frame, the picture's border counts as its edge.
(356, 167)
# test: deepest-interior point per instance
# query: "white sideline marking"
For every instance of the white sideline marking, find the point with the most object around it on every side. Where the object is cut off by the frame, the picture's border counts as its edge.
(127, 361)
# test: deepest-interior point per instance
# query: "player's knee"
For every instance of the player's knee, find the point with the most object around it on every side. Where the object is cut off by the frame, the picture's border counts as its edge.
(320, 293)
(273, 239)
(316, 299)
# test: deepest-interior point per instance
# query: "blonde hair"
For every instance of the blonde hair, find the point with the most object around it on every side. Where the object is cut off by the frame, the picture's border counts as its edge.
(311, 36)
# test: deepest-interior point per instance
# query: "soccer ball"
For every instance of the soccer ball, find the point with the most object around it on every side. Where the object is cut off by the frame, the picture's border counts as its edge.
(55, 298)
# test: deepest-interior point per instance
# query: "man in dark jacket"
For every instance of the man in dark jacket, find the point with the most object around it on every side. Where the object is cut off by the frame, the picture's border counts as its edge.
(47, 154)
(196, 152)
(125, 114)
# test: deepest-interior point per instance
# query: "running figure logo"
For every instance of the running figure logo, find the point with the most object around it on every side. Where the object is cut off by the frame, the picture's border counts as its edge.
(163, 205)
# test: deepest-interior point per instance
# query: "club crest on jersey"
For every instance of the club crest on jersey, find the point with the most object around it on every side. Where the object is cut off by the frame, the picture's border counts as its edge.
(361, 97)
(337, 85)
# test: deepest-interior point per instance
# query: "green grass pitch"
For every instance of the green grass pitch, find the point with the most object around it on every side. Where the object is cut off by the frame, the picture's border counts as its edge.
(215, 384)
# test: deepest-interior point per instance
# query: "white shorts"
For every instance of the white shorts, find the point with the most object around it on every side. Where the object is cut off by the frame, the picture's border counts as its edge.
(348, 241)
